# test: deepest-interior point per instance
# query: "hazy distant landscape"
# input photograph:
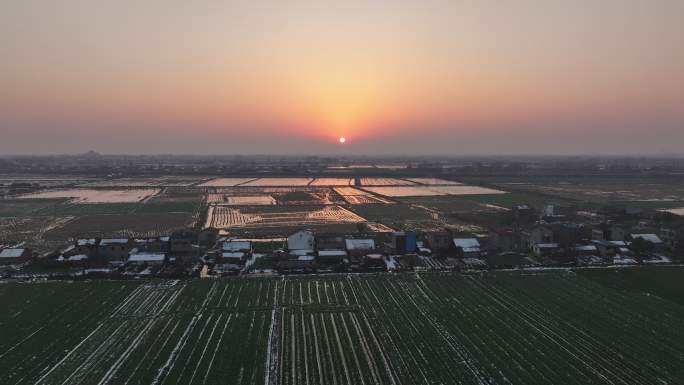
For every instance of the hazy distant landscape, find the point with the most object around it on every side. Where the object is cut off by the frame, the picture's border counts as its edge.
(341, 193)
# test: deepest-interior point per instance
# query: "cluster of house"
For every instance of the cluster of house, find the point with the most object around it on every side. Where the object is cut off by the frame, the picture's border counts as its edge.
(567, 239)
(134, 254)
(304, 251)
(550, 237)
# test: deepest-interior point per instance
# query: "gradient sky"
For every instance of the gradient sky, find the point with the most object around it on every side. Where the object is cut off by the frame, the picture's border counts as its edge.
(423, 77)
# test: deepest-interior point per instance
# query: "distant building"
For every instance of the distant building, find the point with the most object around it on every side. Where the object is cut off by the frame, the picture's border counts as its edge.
(672, 236)
(608, 232)
(233, 257)
(548, 250)
(586, 250)
(114, 249)
(537, 235)
(504, 239)
(156, 245)
(299, 263)
(301, 240)
(404, 242)
(15, 256)
(356, 246)
(524, 214)
(439, 241)
(233, 246)
(86, 247)
(653, 242)
(330, 242)
(374, 262)
(647, 237)
(468, 247)
(610, 249)
(146, 258)
(331, 256)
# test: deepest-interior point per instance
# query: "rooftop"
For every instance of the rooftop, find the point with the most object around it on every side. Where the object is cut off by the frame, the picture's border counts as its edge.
(359, 244)
(467, 244)
(11, 253)
(237, 245)
(146, 257)
(113, 241)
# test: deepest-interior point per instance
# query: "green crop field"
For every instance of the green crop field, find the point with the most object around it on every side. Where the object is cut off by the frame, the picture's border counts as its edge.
(534, 327)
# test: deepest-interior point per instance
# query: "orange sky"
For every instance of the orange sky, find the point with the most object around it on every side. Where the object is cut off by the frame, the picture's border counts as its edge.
(393, 77)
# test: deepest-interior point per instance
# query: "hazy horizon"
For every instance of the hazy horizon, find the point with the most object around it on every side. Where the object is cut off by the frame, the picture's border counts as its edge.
(414, 78)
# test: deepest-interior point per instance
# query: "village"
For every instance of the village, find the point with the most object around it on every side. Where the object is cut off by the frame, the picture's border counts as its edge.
(551, 237)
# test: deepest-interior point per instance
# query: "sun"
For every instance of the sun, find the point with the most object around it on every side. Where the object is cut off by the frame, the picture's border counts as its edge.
(342, 139)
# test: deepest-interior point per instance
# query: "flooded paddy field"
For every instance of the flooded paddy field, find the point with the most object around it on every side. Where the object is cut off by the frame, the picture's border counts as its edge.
(408, 191)
(163, 181)
(95, 196)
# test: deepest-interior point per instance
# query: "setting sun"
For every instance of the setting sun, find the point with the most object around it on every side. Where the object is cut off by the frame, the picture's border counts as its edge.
(343, 139)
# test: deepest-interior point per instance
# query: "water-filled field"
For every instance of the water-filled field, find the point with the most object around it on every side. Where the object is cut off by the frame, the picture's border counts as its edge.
(409, 191)
(96, 196)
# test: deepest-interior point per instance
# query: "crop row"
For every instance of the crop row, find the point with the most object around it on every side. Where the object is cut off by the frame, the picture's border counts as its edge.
(419, 328)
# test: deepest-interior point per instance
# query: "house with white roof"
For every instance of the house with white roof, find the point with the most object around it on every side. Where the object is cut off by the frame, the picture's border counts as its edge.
(233, 257)
(15, 256)
(331, 256)
(86, 246)
(469, 247)
(114, 249)
(301, 240)
(653, 238)
(359, 244)
(146, 258)
(233, 246)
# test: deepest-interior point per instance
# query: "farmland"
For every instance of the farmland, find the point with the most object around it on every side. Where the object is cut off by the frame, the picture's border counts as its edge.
(225, 182)
(354, 196)
(165, 181)
(96, 196)
(535, 327)
(142, 224)
(385, 182)
(332, 182)
(222, 217)
(247, 200)
(434, 181)
(270, 182)
(407, 191)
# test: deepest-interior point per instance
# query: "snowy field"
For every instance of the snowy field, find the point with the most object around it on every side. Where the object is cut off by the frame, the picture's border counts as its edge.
(97, 196)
